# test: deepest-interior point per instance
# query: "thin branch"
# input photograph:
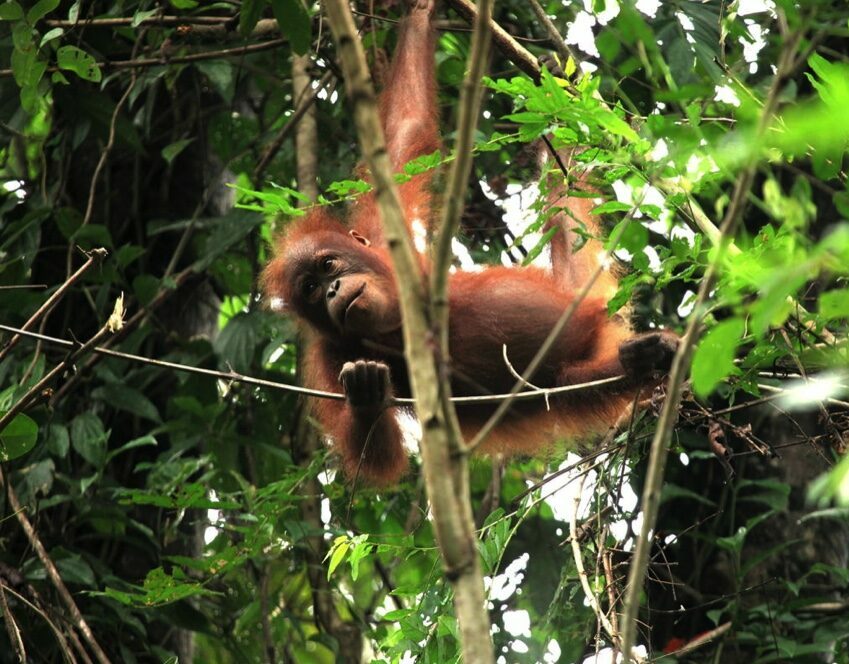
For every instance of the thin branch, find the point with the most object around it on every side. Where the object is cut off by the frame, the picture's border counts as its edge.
(221, 375)
(680, 365)
(508, 46)
(178, 60)
(94, 256)
(63, 643)
(446, 474)
(458, 177)
(36, 389)
(552, 337)
(104, 155)
(554, 35)
(300, 110)
(577, 556)
(260, 382)
(53, 574)
(12, 626)
(699, 641)
(152, 20)
(24, 287)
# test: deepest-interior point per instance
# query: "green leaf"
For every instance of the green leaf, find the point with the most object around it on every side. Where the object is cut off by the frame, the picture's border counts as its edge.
(184, 4)
(611, 206)
(835, 304)
(57, 440)
(169, 152)
(228, 232)
(733, 542)
(714, 358)
(536, 250)
(74, 569)
(133, 444)
(123, 397)
(832, 486)
(18, 437)
(145, 286)
(88, 438)
(672, 491)
(337, 554)
(11, 11)
(93, 235)
(50, 35)
(27, 67)
(294, 22)
(237, 342)
(40, 10)
(127, 253)
(249, 14)
(140, 16)
(78, 61)
(221, 75)
(362, 548)
(635, 237)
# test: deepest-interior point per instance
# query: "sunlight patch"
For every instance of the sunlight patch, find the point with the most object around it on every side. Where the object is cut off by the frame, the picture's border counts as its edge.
(804, 394)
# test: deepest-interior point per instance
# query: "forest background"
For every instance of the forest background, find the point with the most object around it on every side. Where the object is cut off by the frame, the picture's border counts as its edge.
(149, 151)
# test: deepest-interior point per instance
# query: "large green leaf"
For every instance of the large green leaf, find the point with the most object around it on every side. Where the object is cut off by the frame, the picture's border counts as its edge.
(294, 22)
(18, 437)
(714, 357)
(78, 61)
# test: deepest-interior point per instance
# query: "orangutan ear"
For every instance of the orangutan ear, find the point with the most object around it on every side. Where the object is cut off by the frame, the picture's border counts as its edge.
(359, 238)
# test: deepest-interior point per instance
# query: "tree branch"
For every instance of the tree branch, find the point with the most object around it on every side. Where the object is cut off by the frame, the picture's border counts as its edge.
(177, 60)
(52, 573)
(452, 206)
(680, 366)
(94, 256)
(446, 475)
(509, 47)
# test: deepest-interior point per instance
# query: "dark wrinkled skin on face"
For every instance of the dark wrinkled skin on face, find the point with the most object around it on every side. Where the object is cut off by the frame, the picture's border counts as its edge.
(341, 286)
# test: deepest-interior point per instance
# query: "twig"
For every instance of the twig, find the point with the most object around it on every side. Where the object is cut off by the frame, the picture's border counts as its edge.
(781, 392)
(63, 643)
(128, 20)
(554, 35)
(22, 403)
(699, 641)
(306, 136)
(178, 60)
(552, 337)
(452, 205)
(259, 382)
(53, 573)
(458, 177)
(568, 469)
(104, 155)
(579, 564)
(12, 627)
(680, 365)
(23, 287)
(175, 283)
(94, 256)
(300, 110)
(508, 46)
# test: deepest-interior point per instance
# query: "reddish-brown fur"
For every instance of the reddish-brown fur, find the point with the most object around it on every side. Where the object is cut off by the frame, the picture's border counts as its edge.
(340, 286)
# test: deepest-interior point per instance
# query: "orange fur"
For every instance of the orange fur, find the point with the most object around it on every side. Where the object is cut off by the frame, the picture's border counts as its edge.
(489, 310)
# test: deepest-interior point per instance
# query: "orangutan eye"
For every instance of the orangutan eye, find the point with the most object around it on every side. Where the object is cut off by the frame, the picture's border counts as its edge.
(327, 264)
(308, 287)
